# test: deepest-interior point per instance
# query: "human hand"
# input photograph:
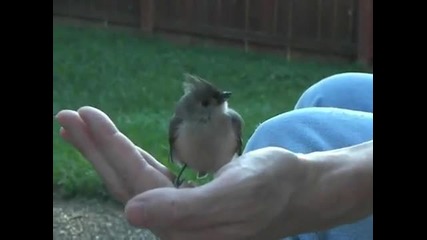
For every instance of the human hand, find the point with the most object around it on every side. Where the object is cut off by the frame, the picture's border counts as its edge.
(125, 169)
(254, 197)
(250, 198)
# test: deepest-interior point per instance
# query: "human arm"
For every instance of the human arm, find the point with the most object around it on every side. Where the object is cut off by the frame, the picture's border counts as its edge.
(338, 188)
(264, 194)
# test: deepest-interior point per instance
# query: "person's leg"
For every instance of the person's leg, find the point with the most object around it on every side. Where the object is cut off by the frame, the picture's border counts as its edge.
(350, 90)
(318, 129)
(313, 129)
(333, 113)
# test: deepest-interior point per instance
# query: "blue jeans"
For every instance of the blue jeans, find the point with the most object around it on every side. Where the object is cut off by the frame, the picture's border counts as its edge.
(335, 112)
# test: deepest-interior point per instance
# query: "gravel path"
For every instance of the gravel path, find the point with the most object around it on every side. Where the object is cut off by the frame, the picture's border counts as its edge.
(91, 219)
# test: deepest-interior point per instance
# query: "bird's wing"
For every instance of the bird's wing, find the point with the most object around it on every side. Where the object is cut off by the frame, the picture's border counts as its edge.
(237, 123)
(173, 128)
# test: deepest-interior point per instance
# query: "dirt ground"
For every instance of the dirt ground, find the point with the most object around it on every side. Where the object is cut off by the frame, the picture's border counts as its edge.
(91, 219)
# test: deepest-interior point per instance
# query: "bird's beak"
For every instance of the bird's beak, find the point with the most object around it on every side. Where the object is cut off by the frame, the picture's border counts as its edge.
(225, 95)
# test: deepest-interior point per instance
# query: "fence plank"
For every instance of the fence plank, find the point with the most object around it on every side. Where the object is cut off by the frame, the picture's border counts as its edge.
(126, 12)
(344, 48)
(365, 38)
(60, 7)
(312, 25)
(234, 14)
(283, 17)
(345, 20)
(305, 19)
(327, 18)
(147, 15)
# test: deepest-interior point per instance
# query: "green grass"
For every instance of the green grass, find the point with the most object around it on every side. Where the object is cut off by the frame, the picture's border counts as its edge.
(136, 81)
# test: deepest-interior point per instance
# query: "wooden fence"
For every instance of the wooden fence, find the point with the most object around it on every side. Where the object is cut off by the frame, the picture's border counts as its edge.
(335, 27)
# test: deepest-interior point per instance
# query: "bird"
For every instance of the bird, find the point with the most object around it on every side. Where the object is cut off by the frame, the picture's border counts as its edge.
(204, 132)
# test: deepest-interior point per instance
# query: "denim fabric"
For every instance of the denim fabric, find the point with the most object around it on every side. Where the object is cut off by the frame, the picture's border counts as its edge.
(335, 112)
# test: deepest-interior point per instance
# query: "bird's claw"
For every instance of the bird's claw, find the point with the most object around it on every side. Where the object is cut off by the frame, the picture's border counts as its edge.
(177, 181)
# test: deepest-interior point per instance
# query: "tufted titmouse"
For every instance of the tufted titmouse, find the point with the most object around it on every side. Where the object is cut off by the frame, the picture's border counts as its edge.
(204, 133)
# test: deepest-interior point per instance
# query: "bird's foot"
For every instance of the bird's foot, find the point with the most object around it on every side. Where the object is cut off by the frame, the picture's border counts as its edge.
(177, 181)
(201, 175)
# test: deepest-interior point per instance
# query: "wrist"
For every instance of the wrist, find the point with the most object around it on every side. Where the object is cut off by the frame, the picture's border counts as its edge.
(336, 188)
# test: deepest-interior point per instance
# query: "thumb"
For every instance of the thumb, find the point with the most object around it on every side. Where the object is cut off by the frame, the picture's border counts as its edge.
(163, 207)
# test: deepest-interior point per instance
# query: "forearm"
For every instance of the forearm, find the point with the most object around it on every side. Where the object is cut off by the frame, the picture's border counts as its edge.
(339, 187)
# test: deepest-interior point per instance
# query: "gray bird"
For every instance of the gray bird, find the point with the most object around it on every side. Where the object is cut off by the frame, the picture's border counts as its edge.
(204, 133)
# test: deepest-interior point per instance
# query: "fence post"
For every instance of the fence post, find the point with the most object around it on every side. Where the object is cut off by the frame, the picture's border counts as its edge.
(147, 15)
(365, 32)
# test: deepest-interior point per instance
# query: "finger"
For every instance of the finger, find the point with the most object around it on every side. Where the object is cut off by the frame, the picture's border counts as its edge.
(98, 122)
(101, 124)
(155, 164)
(169, 207)
(64, 134)
(110, 141)
(121, 153)
(77, 135)
(75, 132)
(235, 231)
(188, 184)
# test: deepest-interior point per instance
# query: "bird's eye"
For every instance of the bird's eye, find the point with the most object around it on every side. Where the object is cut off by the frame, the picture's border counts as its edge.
(205, 103)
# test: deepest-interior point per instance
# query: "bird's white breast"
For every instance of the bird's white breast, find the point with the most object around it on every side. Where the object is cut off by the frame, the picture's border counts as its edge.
(206, 146)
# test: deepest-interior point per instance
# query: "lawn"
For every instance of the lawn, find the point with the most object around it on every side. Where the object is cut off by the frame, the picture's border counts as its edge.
(136, 81)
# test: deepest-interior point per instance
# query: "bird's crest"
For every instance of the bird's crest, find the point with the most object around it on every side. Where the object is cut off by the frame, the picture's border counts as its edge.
(192, 83)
